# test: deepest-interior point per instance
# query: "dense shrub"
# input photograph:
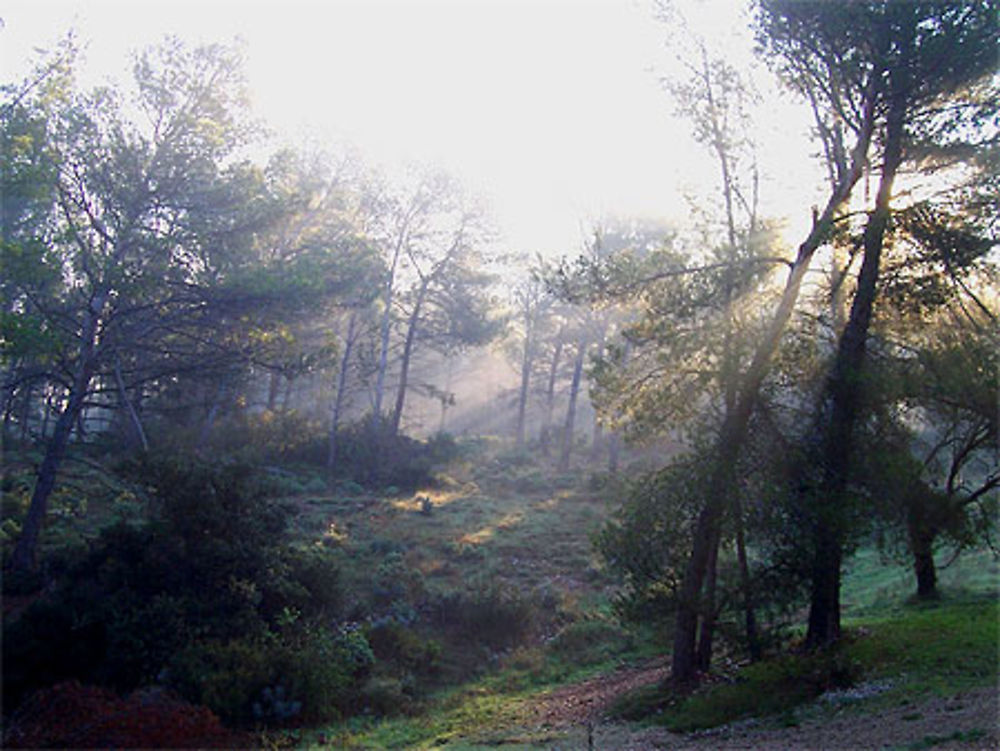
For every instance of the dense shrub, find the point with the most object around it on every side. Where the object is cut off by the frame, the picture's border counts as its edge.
(306, 673)
(371, 454)
(73, 716)
(208, 587)
(494, 616)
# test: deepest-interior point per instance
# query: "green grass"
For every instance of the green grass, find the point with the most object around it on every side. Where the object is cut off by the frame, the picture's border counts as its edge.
(938, 648)
(875, 584)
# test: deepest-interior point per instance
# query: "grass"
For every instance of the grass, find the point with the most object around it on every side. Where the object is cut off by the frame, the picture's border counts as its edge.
(507, 522)
(938, 649)
(874, 584)
(477, 527)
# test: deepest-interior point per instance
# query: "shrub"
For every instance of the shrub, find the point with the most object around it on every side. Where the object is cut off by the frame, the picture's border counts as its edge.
(371, 454)
(396, 643)
(494, 616)
(73, 716)
(388, 695)
(589, 642)
(308, 672)
(201, 587)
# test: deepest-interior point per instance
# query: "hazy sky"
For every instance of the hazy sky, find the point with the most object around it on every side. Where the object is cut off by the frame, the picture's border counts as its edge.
(552, 110)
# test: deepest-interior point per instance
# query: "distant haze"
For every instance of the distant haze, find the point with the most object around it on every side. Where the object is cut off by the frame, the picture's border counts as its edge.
(551, 110)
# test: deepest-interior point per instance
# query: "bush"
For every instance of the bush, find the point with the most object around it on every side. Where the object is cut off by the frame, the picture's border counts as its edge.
(589, 642)
(308, 673)
(398, 644)
(494, 616)
(207, 587)
(73, 716)
(371, 454)
(388, 695)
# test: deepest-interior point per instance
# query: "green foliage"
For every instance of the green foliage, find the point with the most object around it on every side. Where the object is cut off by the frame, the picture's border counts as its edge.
(942, 647)
(208, 589)
(306, 672)
(766, 688)
(590, 642)
(371, 454)
(401, 645)
(647, 542)
(491, 615)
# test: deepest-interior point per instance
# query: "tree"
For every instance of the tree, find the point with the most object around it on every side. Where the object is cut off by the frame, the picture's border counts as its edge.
(447, 306)
(851, 85)
(931, 451)
(934, 374)
(930, 54)
(531, 304)
(154, 242)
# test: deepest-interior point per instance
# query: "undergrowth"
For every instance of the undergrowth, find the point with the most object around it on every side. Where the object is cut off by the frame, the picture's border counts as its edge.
(939, 648)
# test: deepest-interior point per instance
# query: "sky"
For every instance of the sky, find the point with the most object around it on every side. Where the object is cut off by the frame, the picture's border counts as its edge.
(551, 110)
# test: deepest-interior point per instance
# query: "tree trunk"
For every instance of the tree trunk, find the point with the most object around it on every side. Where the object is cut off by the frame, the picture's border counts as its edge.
(703, 656)
(213, 412)
(746, 584)
(922, 533)
(385, 329)
(522, 396)
(47, 412)
(136, 423)
(845, 391)
(545, 437)
(25, 554)
(614, 453)
(574, 391)
(733, 432)
(338, 397)
(274, 382)
(26, 413)
(404, 368)
(923, 566)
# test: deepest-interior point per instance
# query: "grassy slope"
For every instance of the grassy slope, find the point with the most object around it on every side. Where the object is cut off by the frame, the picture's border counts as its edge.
(505, 520)
(522, 531)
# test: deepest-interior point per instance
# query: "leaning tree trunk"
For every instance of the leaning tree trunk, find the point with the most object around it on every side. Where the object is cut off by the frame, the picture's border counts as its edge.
(734, 428)
(404, 369)
(25, 554)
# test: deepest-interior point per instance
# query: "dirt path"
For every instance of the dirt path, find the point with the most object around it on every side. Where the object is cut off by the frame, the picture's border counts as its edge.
(572, 717)
(590, 700)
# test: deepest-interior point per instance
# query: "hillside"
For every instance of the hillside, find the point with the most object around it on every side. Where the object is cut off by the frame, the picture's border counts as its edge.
(506, 522)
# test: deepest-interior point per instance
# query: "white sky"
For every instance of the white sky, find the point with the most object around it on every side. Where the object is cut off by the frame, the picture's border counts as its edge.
(550, 109)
